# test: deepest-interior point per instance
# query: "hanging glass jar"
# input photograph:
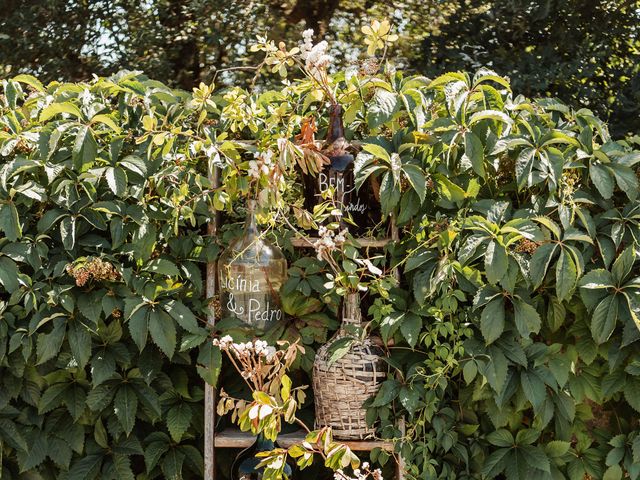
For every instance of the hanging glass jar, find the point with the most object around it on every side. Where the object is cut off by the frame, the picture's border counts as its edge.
(339, 175)
(251, 271)
(245, 466)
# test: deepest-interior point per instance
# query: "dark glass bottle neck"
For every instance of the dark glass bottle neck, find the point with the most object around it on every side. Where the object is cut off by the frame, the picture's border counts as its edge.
(336, 127)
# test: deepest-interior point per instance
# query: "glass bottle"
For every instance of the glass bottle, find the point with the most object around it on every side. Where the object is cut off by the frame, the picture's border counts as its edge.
(246, 463)
(251, 271)
(339, 175)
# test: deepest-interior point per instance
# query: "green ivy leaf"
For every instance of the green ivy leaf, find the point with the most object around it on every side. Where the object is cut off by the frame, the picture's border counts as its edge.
(49, 344)
(557, 448)
(492, 320)
(410, 327)
(389, 193)
(117, 180)
(178, 421)
(9, 274)
(469, 371)
(540, 261)
(495, 463)
(410, 399)
(614, 472)
(385, 104)
(524, 165)
(632, 393)
(416, 178)
(163, 331)
(566, 275)
(75, 399)
(103, 366)
(602, 179)
(474, 152)
(10, 222)
(35, 455)
(534, 389)
(84, 150)
(181, 314)
(122, 467)
(604, 319)
(54, 109)
(209, 363)
(387, 393)
(496, 262)
(377, 151)
(79, 342)
(172, 464)
(496, 369)
(125, 407)
(501, 438)
(162, 266)
(623, 265)
(626, 180)
(526, 317)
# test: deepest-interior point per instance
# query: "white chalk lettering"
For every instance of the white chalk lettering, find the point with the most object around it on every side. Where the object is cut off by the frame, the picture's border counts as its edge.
(338, 184)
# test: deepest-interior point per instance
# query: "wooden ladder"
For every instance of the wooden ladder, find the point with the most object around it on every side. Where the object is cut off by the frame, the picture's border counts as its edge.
(234, 438)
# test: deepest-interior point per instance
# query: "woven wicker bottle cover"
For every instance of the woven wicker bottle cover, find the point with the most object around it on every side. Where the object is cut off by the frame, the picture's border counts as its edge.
(342, 387)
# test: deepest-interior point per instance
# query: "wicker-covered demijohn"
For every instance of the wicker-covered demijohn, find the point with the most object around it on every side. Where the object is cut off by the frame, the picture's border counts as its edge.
(340, 388)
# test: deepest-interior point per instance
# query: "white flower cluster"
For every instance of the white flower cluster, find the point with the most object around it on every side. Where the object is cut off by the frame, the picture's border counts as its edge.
(360, 474)
(328, 241)
(315, 57)
(257, 347)
(263, 164)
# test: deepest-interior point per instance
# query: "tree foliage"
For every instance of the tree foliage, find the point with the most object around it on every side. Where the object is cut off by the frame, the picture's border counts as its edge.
(583, 52)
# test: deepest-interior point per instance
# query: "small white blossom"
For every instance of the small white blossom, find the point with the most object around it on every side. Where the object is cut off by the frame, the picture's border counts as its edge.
(270, 353)
(254, 412)
(265, 411)
(254, 169)
(224, 342)
(262, 164)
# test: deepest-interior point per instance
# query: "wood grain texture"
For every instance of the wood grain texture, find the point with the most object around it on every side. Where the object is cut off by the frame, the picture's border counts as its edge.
(234, 438)
(365, 242)
(209, 390)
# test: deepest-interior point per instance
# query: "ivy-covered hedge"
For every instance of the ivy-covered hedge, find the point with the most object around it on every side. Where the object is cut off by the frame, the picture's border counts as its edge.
(101, 260)
(514, 327)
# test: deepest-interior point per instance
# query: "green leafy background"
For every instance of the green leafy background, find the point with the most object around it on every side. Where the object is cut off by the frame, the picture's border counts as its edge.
(514, 328)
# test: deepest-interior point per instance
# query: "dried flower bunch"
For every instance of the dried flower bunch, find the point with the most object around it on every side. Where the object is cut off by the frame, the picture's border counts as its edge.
(257, 362)
(92, 268)
(274, 400)
(263, 367)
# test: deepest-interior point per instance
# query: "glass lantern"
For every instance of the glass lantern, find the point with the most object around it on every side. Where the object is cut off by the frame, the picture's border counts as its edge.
(251, 271)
